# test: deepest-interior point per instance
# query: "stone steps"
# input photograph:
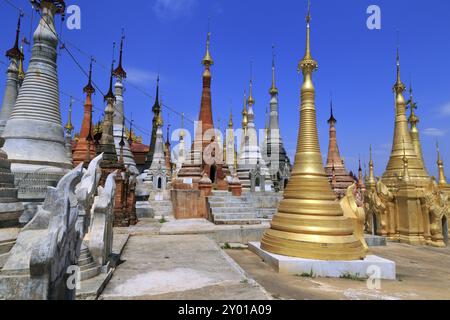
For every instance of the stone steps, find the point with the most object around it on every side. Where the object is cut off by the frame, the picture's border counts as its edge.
(234, 216)
(267, 213)
(237, 221)
(229, 210)
(234, 210)
(88, 267)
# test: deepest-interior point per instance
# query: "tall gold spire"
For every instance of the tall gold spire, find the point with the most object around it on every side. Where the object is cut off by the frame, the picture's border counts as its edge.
(208, 60)
(159, 120)
(182, 133)
(402, 145)
(413, 121)
(273, 89)
(230, 122)
(69, 125)
(310, 223)
(21, 70)
(251, 100)
(442, 181)
(245, 114)
(371, 180)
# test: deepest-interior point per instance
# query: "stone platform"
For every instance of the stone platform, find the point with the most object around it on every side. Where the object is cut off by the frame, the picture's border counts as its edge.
(220, 233)
(360, 269)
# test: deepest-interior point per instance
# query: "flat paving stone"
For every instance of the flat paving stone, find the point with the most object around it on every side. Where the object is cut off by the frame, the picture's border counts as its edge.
(422, 274)
(179, 267)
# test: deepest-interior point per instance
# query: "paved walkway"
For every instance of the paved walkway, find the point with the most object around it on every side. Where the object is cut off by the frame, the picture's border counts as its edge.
(178, 267)
(422, 273)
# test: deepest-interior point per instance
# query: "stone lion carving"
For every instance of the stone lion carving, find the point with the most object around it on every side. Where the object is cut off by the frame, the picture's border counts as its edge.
(349, 205)
(436, 202)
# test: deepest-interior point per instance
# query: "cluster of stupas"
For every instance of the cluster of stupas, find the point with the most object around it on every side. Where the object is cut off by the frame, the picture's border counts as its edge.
(323, 211)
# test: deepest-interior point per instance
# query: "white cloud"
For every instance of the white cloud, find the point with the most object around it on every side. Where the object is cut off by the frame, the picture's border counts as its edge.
(140, 77)
(434, 132)
(445, 109)
(173, 9)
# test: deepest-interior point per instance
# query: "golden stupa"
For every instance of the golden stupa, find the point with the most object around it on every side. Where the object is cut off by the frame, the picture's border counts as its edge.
(405, 141)
(406, 204)
(310, 223)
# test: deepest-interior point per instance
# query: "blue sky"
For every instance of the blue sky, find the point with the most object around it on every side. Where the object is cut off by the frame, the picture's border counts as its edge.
(356, 64)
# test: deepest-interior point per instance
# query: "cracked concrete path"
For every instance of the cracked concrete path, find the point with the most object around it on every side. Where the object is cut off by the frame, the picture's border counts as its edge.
(187, 267)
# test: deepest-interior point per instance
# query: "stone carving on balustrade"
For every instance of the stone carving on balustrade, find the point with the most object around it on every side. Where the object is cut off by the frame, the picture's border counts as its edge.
(86, 192)
(437, 205)
(60, 248)
(43, 263)
(102, 220)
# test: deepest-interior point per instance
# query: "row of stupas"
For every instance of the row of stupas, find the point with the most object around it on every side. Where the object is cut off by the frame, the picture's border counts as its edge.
(404, 205)
(217, 159)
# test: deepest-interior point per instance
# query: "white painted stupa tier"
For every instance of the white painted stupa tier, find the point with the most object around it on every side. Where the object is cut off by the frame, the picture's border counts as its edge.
(34, 135)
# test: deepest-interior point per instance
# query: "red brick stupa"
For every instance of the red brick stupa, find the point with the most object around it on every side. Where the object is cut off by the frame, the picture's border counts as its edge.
(206, 154)
(335, 169)
(84, 149)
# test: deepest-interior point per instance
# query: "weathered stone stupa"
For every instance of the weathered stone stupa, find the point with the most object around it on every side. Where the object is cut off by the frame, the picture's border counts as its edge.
(250, 157)
(34, 134)
(335, 169)
(156, 112)
(119, 116)
(10, 207)
(158, 175)
(273, 149)
(310, 223)
(110, 159)
(15, 56)
(84, 150)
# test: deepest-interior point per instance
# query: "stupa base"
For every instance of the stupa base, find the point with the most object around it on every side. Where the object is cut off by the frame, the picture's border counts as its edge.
(362, 269)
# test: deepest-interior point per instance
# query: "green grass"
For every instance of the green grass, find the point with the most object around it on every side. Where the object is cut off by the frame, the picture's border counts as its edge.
(163, 220)
(226, 246)
(307, 275)
(350, 276)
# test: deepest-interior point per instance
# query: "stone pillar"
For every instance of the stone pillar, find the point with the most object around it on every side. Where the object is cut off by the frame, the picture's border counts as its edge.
(131, 199)
(120, 218)
(235, 186)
